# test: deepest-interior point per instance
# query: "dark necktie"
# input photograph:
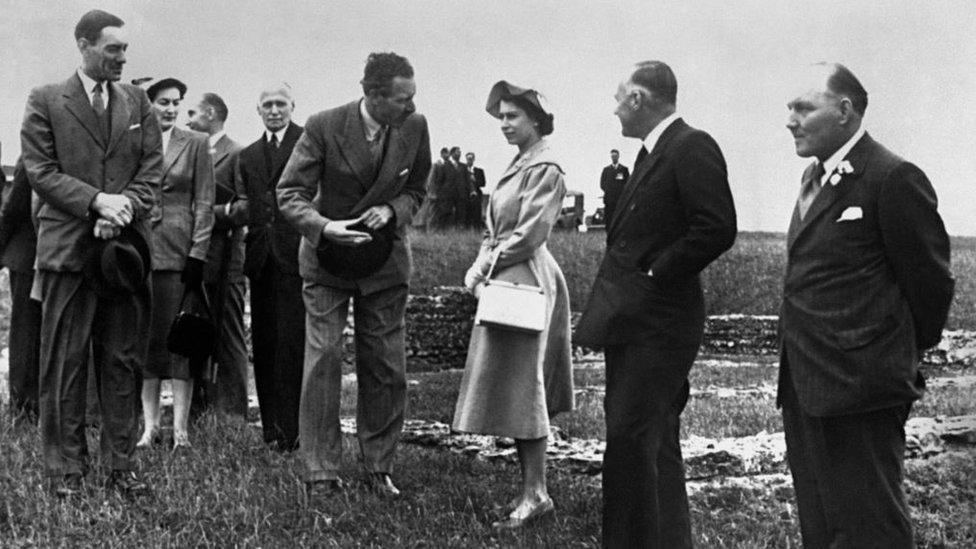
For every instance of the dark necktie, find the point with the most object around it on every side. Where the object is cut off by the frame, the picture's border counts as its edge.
(810, 188)
(640, 155)
(274, 141)
(376, 150)
(98, 105)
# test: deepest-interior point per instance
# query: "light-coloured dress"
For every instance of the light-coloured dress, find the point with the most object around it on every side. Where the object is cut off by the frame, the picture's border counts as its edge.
(514, 382)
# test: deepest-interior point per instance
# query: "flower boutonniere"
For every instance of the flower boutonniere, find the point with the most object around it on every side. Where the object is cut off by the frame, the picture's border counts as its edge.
(842, 169)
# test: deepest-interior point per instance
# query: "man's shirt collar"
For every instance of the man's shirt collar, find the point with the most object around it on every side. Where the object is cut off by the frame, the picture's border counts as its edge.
(89, 86)
(215, 138)
(369, 123)
(652, 138)
(831, 163)
(280, 133)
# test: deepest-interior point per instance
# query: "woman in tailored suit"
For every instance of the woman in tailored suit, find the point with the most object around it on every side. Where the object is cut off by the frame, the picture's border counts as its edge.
(515, 382)
(181, 223)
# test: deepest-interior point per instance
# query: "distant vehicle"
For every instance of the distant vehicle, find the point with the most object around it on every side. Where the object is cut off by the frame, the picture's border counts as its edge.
(571, 215)
(597, 220)
(8, 172)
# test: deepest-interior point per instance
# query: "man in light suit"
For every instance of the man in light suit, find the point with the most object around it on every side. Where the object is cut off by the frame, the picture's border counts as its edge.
(867, 289)
(647, 310)
(612, 181)
(224, 274)
(271, 265)
(359, 170)
(93, 153)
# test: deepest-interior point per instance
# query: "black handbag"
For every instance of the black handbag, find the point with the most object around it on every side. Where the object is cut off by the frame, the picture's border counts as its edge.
(193, 333)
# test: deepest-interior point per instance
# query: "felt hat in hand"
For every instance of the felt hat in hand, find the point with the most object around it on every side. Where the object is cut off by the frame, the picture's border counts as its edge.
(118, 266)
(354, 262)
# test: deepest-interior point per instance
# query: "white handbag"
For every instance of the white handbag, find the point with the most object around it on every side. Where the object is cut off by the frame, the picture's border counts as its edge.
(511, 306)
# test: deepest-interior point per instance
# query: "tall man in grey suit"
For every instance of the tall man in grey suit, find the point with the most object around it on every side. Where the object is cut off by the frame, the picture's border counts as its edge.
(674, 217)
(357, 172)
(867, 288)
(224, 274)
(93, 153)
(271, 265)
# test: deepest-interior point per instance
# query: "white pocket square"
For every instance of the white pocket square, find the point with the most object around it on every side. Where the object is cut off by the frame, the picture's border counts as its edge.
(134, 126)
(404, 172)
(851, 214)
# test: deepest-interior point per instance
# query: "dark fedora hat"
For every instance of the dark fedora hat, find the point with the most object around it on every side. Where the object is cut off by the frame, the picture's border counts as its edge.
(117, 266)
(503, 89)
(163, 84)
(354, 262)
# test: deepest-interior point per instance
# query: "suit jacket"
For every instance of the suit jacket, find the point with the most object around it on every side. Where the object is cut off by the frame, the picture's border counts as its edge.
(18, 238)
(867, 286)
(449, 182)
(269, 236)
(183, 215)
(228, 228)
(68, 162)
(675, 216)
(476, 180)
(330, 176)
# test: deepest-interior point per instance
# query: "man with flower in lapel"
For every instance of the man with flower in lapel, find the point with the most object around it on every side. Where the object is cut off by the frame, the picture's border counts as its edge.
(867, 289)
(93, 153)
(350, 188)
(675, 215)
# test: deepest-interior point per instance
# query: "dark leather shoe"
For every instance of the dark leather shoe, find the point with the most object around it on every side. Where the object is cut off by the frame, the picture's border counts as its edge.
(382, 484)
(513, 522)
(68, 486)
(127, 483)
(322, 488)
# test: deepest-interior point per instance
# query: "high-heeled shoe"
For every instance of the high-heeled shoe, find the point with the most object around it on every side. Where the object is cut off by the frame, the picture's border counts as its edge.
(514, 523)
(181, 441)
(150, 438)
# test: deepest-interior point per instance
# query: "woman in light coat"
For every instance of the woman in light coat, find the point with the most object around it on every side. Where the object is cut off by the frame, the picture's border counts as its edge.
(514, 382)
(182, 220)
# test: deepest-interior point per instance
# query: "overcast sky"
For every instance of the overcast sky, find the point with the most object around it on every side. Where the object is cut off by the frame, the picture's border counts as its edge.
(732, 61)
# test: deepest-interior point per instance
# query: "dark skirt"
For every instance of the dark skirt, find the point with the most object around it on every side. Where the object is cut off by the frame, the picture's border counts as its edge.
(167, 293)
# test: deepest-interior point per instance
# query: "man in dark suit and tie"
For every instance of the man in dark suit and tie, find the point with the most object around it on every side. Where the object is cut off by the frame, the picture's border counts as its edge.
(476, 185)
(93, 153)
(357, 175)
(271, 264)
(612, 181)
(647, 310)
(224, 275)
(867, 289)
(18, 243)
(446, 185)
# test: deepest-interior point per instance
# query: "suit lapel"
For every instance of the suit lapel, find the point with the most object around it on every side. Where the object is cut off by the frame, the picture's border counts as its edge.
(641, 171)
(395, 145)
(177, 142)
(77, 103)
(353, 146)
(220, 150)
(121, 112)
(831, 193)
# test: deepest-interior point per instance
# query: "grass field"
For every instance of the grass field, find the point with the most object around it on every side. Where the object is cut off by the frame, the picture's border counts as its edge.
(230, 491)
(747, 279)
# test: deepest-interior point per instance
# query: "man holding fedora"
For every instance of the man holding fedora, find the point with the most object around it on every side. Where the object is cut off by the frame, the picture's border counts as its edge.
(93, 153)
(354, 181)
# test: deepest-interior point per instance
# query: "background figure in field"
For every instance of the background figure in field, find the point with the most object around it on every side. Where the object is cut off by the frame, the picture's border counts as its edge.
(458, 183)
(647, 309)
(353, 183)
(867, 289)
(181, 222)
(476, 185)
(445, 185)
(514, 382)
(271, 264)
(18, 243)
(92, 150)
(226, 387)
(426, 212)
(612, 181)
